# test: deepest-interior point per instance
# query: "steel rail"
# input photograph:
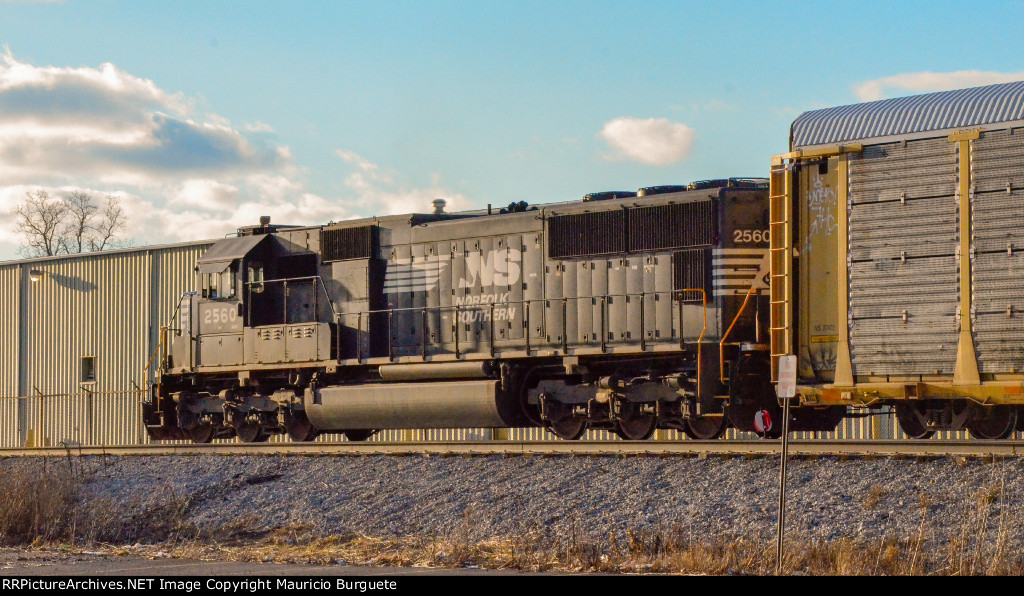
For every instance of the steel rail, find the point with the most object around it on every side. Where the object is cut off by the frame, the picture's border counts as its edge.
(797, 448)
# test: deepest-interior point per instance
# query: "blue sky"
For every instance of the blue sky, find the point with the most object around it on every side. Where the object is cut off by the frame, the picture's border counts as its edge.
(203, 116)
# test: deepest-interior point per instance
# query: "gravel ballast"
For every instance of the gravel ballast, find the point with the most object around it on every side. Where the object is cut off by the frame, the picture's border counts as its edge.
(589, 497)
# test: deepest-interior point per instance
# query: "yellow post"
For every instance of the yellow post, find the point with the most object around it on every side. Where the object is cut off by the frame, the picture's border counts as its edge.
(844, 364)
(966, 372)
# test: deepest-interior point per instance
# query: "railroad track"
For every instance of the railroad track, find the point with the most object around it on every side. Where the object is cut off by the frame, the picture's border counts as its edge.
(797, 448)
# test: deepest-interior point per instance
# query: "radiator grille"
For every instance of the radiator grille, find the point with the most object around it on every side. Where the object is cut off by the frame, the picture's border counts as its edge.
(691, 270)
(587, 234)
(676, 225)
(342, 244)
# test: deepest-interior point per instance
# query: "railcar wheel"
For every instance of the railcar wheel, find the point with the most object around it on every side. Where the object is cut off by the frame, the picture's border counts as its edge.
(299, 428)
(359, 434)
(203, 432)
(911, 420)
(634, 425)
(999, 423)
(706, 428)
(250, 431)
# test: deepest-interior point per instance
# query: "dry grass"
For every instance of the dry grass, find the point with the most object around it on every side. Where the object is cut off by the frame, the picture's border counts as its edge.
(715, 557)
(37, 503)
(874, 497)
(44, 503)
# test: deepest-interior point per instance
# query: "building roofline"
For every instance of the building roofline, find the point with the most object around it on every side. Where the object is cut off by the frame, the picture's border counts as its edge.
(115, 251)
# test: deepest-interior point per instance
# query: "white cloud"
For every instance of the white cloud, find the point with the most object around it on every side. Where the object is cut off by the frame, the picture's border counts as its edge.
(207, 194)
(73, 122)
(379, 194)
(180, 175)
(259, 127)
(654, 141)
(924, 82)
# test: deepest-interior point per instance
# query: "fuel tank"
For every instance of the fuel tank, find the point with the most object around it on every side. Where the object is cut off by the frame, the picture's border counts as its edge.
(452, 404)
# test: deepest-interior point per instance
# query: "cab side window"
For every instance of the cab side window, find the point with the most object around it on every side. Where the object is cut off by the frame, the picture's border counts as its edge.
(210, 283)
(220, 284)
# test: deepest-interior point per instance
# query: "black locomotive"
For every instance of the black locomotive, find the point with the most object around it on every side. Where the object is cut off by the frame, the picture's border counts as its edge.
(624, 311)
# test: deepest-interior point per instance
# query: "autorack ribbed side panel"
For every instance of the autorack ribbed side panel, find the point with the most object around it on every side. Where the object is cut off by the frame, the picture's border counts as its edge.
(881, 341)
(997, 267)
(882, 230)
(998, 222)
(911, 170)
(997, 160)
(903, 234)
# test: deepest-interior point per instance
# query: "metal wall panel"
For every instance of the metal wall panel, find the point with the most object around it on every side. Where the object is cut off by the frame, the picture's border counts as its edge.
(584, 305)
(516, 308)
(997, 269)
(999, 342)
(903, 234)
(998, 221)
(881, 341)
(996, 160)
(553, 301)
(894, 229)
(911, 170)
(108, 306)
(533, 285)
(10, 300)
(9, 436)
(998, 300)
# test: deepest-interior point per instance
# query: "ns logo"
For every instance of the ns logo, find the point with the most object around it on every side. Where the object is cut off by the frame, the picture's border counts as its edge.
(499, 267)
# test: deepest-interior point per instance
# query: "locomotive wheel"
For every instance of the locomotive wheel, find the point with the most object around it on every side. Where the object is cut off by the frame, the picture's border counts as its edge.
(910, 417)
(562, 422)
(250, 431)
(569, 428)
(999, 423)
(634, 426)
(706, 428)
(359, 434)
(203, 432)
(299, 428)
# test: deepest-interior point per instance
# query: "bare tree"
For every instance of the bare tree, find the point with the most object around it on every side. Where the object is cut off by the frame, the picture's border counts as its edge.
(39, 223)
(109, 225)
(80, 211)
(73, 224)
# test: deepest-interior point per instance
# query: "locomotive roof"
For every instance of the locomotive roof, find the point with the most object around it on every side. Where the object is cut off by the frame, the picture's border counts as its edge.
(535, 210)
(914, 116)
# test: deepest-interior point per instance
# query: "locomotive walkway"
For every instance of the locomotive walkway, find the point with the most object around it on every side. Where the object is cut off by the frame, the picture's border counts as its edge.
(688, 448)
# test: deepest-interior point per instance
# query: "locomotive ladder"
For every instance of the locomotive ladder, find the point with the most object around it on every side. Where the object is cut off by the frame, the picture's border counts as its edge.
(780, 209)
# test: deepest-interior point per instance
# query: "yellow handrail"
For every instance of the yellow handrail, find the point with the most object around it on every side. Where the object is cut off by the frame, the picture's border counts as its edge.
(722, 344)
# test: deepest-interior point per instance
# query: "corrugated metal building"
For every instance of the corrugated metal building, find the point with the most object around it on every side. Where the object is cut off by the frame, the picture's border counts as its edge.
(76, 332)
